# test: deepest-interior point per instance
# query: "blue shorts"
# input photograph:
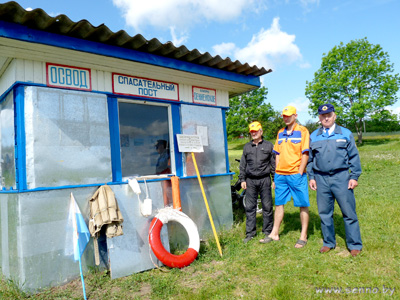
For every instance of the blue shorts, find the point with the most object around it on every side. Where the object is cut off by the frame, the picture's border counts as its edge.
(291, 185)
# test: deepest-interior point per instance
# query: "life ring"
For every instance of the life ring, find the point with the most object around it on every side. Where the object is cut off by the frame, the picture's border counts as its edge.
(174, 261)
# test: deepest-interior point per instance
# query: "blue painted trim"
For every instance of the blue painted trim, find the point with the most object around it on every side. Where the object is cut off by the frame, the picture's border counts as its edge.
(225, 140)
(113, 121)
(177, 129)
(100, 184)
(5, 94)
(209, 175)
(204, 105)
(26, 34)
(60, 187)
(20, 142)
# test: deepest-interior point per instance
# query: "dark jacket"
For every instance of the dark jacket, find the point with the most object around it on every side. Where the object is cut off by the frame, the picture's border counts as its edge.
(257, 161)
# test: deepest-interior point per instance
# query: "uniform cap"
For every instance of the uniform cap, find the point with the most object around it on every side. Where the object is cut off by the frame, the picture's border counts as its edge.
(288, 111)
(325, 109)
(255, 126)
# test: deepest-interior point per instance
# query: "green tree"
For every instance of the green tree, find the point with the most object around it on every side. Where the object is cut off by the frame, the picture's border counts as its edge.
(384, 121)
(246, 108)
(272, 125)
(356, 78)
(312, 125)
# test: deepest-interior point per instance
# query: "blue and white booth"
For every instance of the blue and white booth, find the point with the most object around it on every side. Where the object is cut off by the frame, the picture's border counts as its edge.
(81, 107)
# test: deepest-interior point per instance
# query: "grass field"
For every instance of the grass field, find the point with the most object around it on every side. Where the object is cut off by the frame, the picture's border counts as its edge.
(278, 270)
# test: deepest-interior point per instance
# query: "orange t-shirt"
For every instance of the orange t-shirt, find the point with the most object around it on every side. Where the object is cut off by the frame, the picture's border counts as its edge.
(290, 149)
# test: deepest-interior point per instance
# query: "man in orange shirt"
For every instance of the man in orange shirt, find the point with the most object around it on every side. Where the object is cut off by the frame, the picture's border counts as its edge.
(291, 149)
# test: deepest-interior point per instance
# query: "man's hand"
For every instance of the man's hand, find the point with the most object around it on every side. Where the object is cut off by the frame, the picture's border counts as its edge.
(313, 184)
(352, 184)
(243, 185)
(273, 185)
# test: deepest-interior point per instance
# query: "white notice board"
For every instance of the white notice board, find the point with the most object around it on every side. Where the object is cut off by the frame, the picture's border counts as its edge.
(189, 143)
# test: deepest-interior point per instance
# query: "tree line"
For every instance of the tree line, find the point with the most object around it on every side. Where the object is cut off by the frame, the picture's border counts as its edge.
(357, 78)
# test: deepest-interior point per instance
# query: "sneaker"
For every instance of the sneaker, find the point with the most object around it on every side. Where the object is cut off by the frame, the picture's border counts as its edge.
(247, 239)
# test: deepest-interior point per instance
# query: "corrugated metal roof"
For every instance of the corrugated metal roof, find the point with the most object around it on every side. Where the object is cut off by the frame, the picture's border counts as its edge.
(61, 24)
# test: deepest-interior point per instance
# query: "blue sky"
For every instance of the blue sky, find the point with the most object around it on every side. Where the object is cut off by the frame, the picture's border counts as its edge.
(287, 36)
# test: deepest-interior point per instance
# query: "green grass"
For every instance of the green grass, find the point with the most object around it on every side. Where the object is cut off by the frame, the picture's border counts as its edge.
(278, 270)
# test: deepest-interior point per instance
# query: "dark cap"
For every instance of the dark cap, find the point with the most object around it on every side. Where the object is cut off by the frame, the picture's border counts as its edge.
(161, 142)
(325, 109)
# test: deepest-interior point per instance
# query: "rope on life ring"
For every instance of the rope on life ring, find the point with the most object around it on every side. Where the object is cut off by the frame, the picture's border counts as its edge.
(171, 260)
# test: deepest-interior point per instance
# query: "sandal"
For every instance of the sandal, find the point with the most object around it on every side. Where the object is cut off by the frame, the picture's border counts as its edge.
(301, 243)
(266, 240)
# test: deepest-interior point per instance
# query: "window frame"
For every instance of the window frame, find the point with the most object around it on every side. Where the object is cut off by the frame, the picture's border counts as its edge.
(170, 131)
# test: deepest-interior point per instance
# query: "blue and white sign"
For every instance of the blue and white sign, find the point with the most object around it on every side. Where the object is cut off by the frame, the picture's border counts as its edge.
(68, 77)
(143, 87)
(204, 96)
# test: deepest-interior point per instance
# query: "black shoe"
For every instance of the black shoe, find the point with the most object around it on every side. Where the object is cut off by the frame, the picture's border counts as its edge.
(247, 239)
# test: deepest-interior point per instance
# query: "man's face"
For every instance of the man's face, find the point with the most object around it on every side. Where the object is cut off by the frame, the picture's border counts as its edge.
(160, 148)
(327, 120)
(289, 120)
(255, 135)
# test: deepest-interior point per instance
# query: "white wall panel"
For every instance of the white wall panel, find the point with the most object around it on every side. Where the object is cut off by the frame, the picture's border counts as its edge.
(8, 77)
(19, 70)
(39, 72)
(35, 71)
(28, 70)
(185, 93)
(222, 98)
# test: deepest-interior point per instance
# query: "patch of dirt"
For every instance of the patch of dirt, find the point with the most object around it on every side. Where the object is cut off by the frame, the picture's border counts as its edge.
(194, 281)
(144, 292)
(343, 253)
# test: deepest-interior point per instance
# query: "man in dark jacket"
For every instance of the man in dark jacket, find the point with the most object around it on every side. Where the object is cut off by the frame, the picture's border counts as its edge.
(257, 168)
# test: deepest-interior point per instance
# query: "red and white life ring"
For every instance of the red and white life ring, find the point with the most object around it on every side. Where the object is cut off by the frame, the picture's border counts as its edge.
(174, 261)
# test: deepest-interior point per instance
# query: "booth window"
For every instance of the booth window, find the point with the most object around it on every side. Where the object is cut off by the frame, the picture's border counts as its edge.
(145, 139)
(67, 137)
(7, 163)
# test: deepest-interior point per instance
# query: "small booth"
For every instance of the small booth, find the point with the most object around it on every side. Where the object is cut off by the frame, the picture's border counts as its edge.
(81, 107)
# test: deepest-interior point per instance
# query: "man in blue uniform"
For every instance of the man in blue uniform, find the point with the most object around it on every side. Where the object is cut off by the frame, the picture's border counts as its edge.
(257, 167)
(333, 169)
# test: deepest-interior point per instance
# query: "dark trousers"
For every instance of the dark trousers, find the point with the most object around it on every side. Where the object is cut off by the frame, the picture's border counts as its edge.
(260, 187)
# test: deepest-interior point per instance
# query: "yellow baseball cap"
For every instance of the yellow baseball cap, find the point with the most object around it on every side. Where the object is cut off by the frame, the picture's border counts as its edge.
(255, 126)
(288, 111)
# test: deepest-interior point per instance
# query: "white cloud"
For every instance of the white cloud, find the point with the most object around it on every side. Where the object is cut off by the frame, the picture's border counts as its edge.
(180, 13)
(394, 110)
(268, 48)
(224, 49)
(178, 40)
(301, 104)
(179, 16)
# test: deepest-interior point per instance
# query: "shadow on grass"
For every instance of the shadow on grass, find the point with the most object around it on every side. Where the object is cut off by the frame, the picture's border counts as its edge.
(291, 222)
(376, 141)
(238, 214)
